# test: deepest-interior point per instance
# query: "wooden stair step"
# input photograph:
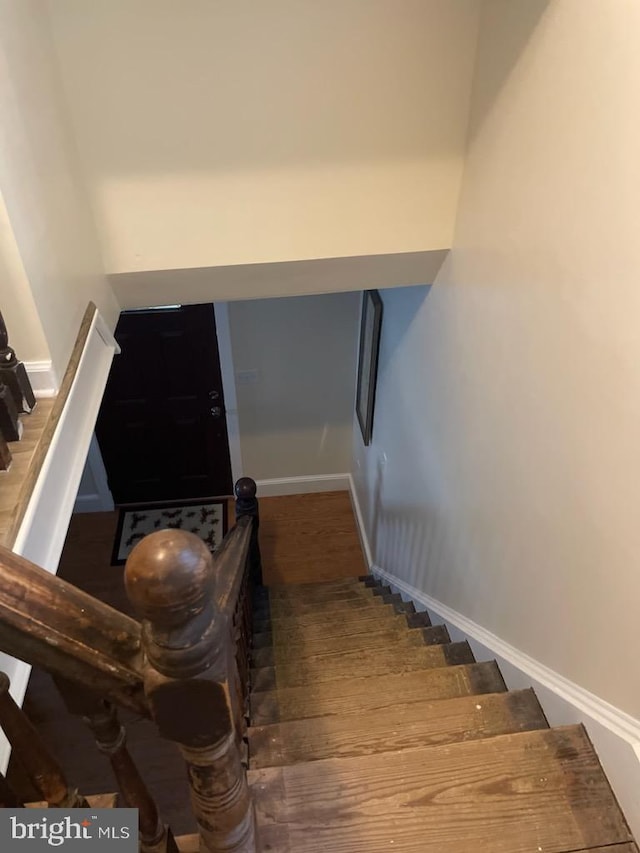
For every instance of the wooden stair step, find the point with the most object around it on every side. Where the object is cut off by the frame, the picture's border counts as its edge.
(330, 620)
(319, 598)
(389, 604)
(191, 844)
(515, 793)
(282, 608)
(265, 653)
(358, 695)
(303, 630)
(400, 727)
(326, 589)
(359, 664)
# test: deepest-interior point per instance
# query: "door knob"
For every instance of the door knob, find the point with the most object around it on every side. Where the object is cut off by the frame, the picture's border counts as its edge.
(215, 411)
(214, 395)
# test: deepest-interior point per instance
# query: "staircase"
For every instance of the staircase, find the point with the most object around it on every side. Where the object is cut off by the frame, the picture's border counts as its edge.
(368, 729)
(371, 731)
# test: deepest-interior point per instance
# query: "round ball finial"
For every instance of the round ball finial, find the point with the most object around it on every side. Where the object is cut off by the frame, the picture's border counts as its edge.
(246, 488)
(169, 577)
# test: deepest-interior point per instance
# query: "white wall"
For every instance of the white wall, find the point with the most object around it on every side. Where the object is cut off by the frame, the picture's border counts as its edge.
(223, 132)
(295, 418)
(286, 278)
(41, 185)
(16, 300)
(509, 404)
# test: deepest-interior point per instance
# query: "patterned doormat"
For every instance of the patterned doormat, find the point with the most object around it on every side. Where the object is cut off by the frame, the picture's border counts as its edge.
(207, 519)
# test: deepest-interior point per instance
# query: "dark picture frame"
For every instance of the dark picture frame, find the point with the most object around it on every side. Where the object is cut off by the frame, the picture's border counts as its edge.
(370, 326)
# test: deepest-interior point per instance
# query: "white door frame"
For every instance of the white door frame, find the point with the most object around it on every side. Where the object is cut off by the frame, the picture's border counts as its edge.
(225, 354)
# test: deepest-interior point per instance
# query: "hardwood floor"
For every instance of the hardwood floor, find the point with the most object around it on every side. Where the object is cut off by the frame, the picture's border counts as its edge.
(309, 538)
(303, 538)
(17, 483)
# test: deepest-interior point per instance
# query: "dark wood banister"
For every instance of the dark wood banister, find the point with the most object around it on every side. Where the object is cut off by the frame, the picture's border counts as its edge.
(187, 665)
(40, 765)
(196, 642)
(51, 624)
(228, 560)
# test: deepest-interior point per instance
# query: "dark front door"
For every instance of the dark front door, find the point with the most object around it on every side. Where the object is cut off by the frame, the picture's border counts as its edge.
(162, 428)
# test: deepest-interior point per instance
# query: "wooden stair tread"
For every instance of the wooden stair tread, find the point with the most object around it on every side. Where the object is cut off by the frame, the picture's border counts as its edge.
(329, 621)
(265, 653)
(336, 583)
(317, 592)
(287, 631)
(399, 727)
(516, 793)
(357, 695)
(359, 664)
(280, 608)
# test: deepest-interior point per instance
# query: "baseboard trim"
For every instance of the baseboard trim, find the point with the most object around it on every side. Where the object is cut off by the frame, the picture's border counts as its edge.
(359, 515)
(615, 734)
(43, 378)
(303, 485)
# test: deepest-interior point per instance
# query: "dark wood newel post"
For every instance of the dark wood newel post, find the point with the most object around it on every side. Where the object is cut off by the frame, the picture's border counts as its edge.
(190, 681)
(247, 505)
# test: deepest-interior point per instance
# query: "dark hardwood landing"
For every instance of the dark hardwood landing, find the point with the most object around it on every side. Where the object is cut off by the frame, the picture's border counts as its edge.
(309, 538)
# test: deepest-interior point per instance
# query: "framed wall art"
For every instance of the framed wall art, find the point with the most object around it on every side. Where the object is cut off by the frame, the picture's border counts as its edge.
(370, 326)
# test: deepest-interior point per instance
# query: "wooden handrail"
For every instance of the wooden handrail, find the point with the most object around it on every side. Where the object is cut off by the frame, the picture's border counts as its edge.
(229, 563)
(195, 617)
(187, 665)
(49, 623)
